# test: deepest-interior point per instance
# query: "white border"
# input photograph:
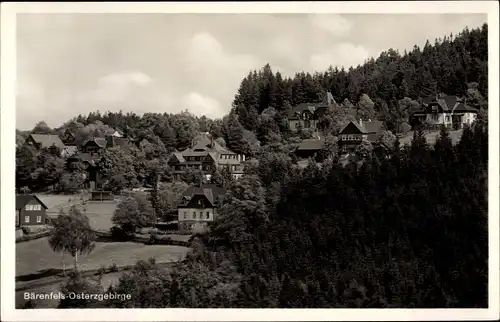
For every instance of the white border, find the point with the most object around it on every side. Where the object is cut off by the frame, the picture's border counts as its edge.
(8, 90)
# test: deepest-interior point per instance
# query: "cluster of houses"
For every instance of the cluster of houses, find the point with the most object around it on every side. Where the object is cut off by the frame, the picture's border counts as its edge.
(198, 204)
(449, 111)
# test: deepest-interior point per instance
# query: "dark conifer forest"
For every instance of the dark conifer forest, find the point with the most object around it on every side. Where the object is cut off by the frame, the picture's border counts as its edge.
(408, 230)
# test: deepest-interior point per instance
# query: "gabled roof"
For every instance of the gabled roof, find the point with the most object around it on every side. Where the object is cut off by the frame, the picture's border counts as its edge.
(47, 140)
(22, 200)
(311, 144)
(101, 142)
(317, 109)
(360, 128)
(449, 104)
(210, 191)
(86, 157)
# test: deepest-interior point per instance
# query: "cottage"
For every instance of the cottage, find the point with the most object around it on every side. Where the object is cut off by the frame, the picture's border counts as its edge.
(353, 133)
(307, 115)
(42, 141)
(448, 111)
(94, 145)
(198, 206)
(30, 211)
(206, 154)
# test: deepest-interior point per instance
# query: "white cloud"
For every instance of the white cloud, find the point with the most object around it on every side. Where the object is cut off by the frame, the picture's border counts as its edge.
(332, 23)
(343, 54)
(202, 105)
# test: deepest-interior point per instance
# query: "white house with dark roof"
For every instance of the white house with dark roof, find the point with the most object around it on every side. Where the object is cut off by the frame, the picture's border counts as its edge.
(198, 206)
(450, 111)
(206, 154)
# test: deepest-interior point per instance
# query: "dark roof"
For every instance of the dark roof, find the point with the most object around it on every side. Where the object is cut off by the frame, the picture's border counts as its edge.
(86, 157)
(360, 128)
(317, 109)
(22, 200)
(47, 140)
(210, 191)
(101, 142)
(448, 103)
(311, 144)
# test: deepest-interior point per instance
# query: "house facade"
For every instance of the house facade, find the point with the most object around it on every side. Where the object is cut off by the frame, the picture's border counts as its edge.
(90, 163)
(30, 211)
(353, 133)
(307, 115)
(198, 206)
(68, 138)
(449, 111)
(206, 154)
(94, 145)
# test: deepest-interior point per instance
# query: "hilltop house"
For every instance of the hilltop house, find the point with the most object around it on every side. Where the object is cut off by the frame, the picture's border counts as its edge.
(198, 206)
(206, 154)
(307, 115)
(450, 111)
(41, 141)
(353, 133)
(30, 211)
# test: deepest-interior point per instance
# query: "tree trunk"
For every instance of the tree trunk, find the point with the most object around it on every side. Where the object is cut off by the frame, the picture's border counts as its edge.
(63, 264)
(76, 259)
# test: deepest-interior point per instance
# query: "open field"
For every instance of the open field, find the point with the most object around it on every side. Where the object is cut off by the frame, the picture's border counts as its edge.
(36, 256)
(55, 202)
(99, 214)
(431, 137)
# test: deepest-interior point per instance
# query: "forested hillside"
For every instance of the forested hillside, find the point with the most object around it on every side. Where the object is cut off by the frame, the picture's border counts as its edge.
(406, 230)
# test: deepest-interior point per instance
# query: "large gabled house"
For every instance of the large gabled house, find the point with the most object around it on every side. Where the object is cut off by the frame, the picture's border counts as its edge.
(198, 206)
(353, 133)
(30, 211)
(42, 141)
(90, 163)
(206, 154)
(447, 110)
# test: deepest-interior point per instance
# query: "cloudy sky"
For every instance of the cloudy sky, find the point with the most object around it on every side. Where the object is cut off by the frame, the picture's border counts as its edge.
(69, 64)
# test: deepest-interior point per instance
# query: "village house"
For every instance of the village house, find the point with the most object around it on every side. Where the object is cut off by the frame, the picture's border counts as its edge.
(449, 111)
(90, 164)
(30, 211)
(307, 115)
(198, 206)
(353, 133)
(42, 141)
(206, 154)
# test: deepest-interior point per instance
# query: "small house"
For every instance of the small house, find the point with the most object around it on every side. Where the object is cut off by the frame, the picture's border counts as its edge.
(198, 206)
(30, 211)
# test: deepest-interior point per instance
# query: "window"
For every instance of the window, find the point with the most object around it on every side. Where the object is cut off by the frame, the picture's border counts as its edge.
(185, 215)
(26, 218)
(38, 219)
(208, 215)
(447, 118)
(194, 214)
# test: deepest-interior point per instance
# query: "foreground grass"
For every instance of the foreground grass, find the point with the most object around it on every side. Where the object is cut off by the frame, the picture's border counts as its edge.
(36, 256)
